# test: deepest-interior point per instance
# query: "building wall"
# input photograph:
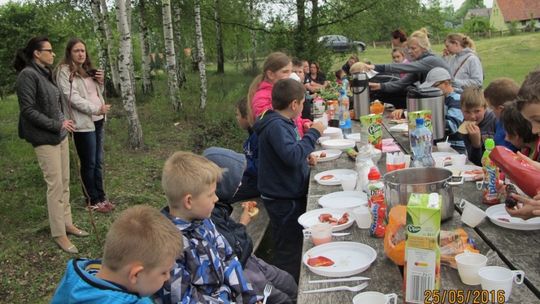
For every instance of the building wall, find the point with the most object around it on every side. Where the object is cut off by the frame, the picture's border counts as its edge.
(497, 19)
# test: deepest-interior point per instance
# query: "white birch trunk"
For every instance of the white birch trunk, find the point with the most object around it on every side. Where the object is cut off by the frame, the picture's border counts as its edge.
(100, 31)
(253, 36)
(145, 50)
(125, 65)
(172, 77)
(113, 63)
(180, 66)
(132, 67)
(200, 52)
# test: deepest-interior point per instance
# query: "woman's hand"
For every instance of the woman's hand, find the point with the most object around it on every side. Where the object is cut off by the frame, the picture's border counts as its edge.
(104, 109)
(526, 207)
(374, 86)
(100, 76)
(531, 162)
(69, 125)
(397, 114)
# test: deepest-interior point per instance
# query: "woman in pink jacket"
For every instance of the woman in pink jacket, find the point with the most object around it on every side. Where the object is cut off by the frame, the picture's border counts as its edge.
(277, 66)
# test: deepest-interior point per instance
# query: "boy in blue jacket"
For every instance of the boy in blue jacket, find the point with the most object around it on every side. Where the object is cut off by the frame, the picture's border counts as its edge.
(140, 250)
(284, 170)
(209, 271)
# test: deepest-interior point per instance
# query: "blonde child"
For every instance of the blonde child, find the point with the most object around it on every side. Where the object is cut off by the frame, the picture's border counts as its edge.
(140, 250)
(480, 123)
(210, 271)
(498, 92)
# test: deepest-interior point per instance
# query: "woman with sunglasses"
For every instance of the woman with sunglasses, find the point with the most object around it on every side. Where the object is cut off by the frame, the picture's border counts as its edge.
(43, 123)
(82, 86)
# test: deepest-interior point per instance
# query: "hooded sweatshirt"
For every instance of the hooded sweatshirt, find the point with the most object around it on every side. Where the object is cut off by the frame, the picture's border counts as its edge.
(234, 232)
(262, 101)
(466, 69)
(487, 130)
(416, 71)
(283, 167)
(80, 285)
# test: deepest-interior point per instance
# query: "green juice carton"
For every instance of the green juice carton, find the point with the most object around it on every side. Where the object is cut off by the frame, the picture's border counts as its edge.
(422, 247)
(425, 114)
(373, 124)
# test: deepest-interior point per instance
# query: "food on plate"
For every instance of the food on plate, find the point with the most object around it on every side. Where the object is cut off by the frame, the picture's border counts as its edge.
(320, 261)
(473, 172)
(252, 208)
(510, 202)
(327, 177)
(328, 218)
(352, 153)
(322, 154)
(463, 128)
(504, 219)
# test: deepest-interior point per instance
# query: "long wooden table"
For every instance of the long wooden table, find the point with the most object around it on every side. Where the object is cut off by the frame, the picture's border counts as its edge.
(504, 247)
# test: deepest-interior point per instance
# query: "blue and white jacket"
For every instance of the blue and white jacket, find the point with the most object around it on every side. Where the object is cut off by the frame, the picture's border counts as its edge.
(454, 118)
(209, 272)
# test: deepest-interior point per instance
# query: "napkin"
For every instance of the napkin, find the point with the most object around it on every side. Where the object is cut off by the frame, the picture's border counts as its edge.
(389, 145)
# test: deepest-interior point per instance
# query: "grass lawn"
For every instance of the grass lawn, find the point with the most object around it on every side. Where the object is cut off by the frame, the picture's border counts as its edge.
(30, 263)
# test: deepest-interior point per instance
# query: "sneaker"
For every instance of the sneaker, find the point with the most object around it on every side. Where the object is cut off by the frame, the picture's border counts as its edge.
(109, 204)
(101, 207)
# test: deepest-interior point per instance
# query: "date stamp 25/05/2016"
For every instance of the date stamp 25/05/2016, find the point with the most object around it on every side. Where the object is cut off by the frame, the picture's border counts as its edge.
(464, 296)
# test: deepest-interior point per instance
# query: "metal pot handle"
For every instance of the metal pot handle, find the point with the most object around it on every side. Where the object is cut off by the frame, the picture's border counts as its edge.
(460, 182)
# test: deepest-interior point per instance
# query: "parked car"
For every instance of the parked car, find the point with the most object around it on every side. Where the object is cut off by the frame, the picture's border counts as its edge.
(339, 43)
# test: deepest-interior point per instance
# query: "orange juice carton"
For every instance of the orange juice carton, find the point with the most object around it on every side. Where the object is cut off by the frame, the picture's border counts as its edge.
(422, 248)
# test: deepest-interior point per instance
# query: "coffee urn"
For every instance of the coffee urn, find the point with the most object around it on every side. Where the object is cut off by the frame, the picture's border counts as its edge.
(360, 90)
(432, 99)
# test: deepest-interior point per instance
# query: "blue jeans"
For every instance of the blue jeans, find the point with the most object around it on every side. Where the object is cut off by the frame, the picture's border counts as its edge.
(89, 147)
(286, 233)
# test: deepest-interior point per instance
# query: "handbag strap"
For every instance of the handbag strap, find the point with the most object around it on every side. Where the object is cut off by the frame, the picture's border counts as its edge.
(459, 67)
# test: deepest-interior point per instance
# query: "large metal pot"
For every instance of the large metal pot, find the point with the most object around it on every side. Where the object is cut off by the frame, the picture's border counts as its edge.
(399, 184)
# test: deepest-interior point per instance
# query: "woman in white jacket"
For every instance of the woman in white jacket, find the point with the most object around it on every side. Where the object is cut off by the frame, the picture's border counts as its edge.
(465, 66)
(82, 85)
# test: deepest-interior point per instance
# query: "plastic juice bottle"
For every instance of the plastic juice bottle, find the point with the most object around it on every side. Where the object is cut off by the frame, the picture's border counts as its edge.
(421, 144)
(376, 203)
(376, 107)
(490, 195)
(344, 116)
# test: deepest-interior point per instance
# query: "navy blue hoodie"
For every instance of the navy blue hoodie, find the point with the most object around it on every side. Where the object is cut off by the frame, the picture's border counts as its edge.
(283, 167)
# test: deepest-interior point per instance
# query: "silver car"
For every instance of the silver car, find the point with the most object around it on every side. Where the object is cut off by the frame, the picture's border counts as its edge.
(339, 43)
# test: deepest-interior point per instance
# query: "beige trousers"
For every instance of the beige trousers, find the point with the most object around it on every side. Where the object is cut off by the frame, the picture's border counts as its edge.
(54, 163)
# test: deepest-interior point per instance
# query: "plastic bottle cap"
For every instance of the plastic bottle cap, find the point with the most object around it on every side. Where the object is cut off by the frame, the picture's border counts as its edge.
(419, 121)
(490, 143)
(374, 174)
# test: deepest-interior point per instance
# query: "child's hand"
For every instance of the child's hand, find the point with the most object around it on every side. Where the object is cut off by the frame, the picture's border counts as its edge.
(318, 126)
(397, 114)
(531, 162)
(526, 207)
(307, 125)
(474, 135)
(249, 212)
(312, 160)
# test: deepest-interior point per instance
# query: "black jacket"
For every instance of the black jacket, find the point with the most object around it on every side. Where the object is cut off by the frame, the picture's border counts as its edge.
(40, 104)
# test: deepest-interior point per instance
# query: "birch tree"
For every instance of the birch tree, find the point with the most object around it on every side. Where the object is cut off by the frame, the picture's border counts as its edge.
(219, 38)
(124, 66)
(200, 52)
(113, 63)
(172, 77)
(177, 9)
(100, 31)
(145, 50)
(253, 18)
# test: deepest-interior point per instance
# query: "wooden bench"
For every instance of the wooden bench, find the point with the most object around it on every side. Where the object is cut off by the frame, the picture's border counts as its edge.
(257, 227)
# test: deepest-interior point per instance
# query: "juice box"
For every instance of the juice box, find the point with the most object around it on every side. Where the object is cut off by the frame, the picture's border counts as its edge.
(373, 124)
(422, 248)
(425, 114)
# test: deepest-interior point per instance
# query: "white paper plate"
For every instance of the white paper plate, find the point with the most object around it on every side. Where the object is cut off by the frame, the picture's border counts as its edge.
(462, 171)
(343, 200)
(311, 218)
(330, 155)
(349, 258)
(335, 180)
(354, 136)
(443, 154)
(341, 144)
(498, 215)
(333, 132)
(402, 127)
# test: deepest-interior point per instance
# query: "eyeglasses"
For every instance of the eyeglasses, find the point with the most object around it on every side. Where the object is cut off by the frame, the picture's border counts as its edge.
(436, 84)
(47, 50)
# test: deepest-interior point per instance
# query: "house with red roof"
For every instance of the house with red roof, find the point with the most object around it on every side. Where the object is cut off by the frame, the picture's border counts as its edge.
(522, 12)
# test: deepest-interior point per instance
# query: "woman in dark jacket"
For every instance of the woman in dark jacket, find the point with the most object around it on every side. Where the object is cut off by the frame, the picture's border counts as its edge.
(42, 123)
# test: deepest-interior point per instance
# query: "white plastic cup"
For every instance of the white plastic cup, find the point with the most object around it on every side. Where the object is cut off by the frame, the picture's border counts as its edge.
(468, 264)
(439, 162)
(444, 146)
(499, 278)
(472, 215)
(407, 158)
(374, 297)
(319, 233)
(459, 159)
(348, 181)
(362, 216)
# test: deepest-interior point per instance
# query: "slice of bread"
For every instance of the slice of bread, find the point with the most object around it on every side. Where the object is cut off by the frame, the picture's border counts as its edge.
(463, 128)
